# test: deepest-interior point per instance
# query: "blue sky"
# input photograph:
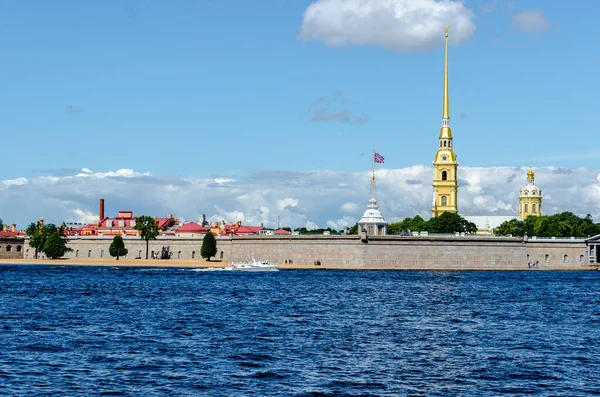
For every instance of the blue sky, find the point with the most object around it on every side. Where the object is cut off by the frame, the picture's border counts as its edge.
(205, 89)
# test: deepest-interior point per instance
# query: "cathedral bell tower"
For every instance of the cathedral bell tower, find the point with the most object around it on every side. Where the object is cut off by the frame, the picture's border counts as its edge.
(530, 198)
(445, 186)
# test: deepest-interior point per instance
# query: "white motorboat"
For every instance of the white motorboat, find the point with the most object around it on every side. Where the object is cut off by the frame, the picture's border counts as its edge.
(253, 266)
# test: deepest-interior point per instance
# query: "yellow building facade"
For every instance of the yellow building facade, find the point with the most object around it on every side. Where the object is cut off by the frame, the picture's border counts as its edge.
(530, 198)
(445, 166)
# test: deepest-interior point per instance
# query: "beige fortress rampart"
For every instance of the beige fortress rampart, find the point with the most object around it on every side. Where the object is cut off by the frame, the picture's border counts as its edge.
(379, 252)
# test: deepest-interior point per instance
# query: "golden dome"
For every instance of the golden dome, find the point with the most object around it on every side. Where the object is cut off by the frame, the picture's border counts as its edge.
(530, 174)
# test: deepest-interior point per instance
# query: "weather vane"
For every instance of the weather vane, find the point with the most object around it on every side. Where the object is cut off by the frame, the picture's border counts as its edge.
(447, 27)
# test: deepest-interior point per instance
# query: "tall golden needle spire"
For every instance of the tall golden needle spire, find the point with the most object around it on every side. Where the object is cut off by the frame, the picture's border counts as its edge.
(445, 167)
(446, 112)
(446, 132)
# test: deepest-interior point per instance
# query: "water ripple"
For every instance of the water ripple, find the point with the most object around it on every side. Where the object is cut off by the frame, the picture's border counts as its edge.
(125, 331)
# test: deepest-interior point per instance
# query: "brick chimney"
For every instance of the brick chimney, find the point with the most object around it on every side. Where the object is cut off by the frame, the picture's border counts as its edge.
(101, 209)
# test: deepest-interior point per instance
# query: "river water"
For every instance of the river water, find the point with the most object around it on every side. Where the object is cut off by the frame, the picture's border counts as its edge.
(154, 332)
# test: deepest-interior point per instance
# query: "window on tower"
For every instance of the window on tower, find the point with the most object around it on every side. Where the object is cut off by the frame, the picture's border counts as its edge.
(532, 207)
(444, 143)
(444, 200)
(444, 176)
(526, 208)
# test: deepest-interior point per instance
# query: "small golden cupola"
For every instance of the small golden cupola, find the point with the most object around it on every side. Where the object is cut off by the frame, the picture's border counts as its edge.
(445, 166)
(530, 197)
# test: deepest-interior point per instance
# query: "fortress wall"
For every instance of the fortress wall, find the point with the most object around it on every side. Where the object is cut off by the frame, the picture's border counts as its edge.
(17, 247)
(385, 252)
(181, 247)
(575, 249)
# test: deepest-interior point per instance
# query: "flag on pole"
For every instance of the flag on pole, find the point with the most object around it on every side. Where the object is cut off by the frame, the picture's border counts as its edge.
(378, 158)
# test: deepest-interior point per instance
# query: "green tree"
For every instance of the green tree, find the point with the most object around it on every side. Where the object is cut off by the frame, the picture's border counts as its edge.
(354, 229)
(209, 246)
(148, 229)
(449, 222)
(38, 235)
(56, 245)
(117, 247)
(1, 224)
(565, 224)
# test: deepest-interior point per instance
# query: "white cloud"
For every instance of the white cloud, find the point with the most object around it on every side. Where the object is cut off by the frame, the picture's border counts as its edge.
(350, 208)
(123, 173)
(82, 216)
(397, 25)
(287, 202)
(339, 224)
(318, 198)
(530, 21)
(223, 181)
(15, 182)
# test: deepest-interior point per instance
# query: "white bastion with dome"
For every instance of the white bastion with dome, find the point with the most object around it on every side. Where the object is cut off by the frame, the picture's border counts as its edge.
(372, 220)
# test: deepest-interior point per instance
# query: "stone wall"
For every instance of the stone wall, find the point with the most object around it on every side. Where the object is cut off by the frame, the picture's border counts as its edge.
(387, 252)
(381, 252)
(557, 253)
(180, 247)
(12, 247)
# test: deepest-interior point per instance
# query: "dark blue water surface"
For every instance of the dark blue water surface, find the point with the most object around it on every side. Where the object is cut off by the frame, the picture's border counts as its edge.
(153, 332)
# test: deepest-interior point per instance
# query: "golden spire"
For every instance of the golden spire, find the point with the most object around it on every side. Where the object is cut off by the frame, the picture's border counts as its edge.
(530, 174)
(446, 132)
(446, 112)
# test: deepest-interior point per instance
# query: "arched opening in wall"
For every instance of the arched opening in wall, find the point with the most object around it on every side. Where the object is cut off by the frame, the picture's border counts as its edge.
(444, 200)
(449, 143)
(101, 253)
(533, 208)
(440, 143)
(547, 258)
(179, 255)
(444, 176)
(19, 248)
(89, 253)
(221, 255)
(8, 248)
(444, 143)
(77, 254)
(565, 258)
(581, 258)
(193, 254)
(526, 208)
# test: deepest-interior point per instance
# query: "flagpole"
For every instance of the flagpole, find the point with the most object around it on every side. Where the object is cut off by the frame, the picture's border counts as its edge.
(373, 176)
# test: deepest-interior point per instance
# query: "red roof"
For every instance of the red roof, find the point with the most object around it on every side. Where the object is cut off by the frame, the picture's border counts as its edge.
(192, 227)
(11, 234)
(248, 229)
(164, 223)
(281, 232)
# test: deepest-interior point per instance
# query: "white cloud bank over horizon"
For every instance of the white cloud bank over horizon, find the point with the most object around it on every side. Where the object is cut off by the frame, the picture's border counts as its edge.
(319, 198)
(397, 25)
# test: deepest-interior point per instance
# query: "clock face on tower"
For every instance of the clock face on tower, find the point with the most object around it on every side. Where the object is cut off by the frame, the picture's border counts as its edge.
(444, 158)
